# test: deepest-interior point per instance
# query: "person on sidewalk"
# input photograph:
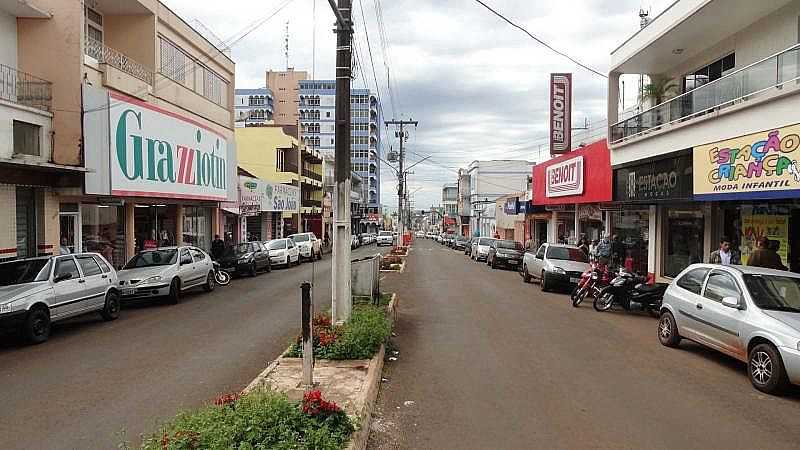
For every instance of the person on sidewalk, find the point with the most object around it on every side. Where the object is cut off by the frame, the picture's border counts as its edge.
(765, 257)
(724, 255)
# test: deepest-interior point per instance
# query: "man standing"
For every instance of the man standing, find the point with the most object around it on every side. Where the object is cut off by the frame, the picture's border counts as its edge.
(217, 248)
(765, 257)
(724, 255)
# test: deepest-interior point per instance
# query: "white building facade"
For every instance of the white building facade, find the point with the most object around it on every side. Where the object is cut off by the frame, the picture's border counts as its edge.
(253, 107)
(488, 181)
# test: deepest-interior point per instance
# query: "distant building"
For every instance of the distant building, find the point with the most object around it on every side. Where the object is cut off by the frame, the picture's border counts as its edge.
(285, 89)
(488, 181)
(253, 107)
(450, 200)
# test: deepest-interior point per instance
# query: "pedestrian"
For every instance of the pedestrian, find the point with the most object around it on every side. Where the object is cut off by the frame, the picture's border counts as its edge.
(603, 250)
(217, 248)
(584, 247)
(593, 250)
(766, 257)
(617, 250)
(724, 255)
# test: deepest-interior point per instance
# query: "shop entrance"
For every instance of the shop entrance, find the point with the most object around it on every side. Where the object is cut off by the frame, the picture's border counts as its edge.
(26, 222)
(540, 232)
(69, 229)
(566, 229)
(154, 226)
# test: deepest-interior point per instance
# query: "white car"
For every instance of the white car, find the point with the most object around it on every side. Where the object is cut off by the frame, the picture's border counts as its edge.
(385, 238)
(420, 234)
(283, 252)
(167, 271)
(309, 246)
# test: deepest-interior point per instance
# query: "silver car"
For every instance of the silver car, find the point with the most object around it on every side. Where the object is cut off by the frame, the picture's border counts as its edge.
(480, 248)
(166, 272)
(749, 313)
(554, 265)
(36, 292)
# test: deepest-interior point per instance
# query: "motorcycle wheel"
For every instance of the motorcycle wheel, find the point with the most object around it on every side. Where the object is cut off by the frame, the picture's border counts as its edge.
(222, 277)
(578, 295)
(604, 301)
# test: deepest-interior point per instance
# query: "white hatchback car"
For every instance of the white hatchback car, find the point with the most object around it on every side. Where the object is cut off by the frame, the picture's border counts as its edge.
(749, 313)
(283, 252)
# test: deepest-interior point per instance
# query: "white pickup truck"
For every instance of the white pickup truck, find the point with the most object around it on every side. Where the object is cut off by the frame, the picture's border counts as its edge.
(310, 247)
(385, 238)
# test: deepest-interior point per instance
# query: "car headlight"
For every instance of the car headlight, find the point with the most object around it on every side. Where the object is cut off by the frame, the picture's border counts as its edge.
(559, 270)
(154, 279)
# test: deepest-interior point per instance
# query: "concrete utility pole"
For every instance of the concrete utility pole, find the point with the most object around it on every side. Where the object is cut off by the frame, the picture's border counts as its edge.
(342, 301)
(402, 134)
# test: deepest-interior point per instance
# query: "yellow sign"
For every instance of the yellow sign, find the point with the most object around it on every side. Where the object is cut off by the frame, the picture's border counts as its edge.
(759, 165)
(772, 227)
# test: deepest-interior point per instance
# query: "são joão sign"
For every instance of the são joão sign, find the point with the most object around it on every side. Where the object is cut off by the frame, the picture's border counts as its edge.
(257, 195)
(156, 153)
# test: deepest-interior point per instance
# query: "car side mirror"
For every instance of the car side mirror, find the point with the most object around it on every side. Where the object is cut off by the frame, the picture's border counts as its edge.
(731, 302)
(62, 277)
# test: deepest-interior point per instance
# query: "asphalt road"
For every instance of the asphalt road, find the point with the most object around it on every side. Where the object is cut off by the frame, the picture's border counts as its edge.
(492, 363)
(94, 380)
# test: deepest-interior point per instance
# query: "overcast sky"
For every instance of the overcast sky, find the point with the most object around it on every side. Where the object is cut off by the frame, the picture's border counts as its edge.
(478, 86)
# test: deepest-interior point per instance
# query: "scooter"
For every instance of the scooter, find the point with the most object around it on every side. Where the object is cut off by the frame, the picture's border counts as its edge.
(592, 281)
(630, 291)
(222, 277)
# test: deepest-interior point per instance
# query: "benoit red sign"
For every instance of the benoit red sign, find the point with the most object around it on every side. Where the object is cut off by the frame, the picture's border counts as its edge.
(581, 176)
(560, 113)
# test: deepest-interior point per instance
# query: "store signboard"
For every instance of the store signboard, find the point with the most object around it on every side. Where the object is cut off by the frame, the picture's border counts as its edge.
(158, 153)
(510, 207)
(761, 165)
(657, 180)
(258, 195)
(565, 178)
(560, 113)
(589, 212)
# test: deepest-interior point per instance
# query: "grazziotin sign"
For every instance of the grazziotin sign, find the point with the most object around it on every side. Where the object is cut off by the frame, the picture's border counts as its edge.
(157, 153)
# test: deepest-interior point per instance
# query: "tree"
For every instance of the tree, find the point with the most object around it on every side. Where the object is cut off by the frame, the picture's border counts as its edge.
(659, 89)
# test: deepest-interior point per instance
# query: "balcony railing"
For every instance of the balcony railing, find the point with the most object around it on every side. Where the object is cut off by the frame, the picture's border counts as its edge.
(25, 89)
(740, 86)
(289, 167)
(107, 55)
(312, 175)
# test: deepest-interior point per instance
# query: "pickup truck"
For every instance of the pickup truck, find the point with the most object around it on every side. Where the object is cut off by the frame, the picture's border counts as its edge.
(554, 265)
(310, 247)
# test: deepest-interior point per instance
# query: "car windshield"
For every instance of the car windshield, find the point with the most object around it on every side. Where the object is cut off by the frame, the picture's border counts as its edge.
(25, 271)
(485, 241)
(153, 258)
(566, 254)
(385, 233)
(280, 244)
(513, 245)
(300, 238)
(773, 292)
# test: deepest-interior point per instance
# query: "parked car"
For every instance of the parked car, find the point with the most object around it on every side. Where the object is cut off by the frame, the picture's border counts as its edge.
(419, 234)
(460, 243)
(37, 292)
(246, 258)
(480, 248)
(167, 271)
(385, 238)
(309, 246)
(283, 252)
(505, 253)
(749, 313)
(555, 265)
(431, 236)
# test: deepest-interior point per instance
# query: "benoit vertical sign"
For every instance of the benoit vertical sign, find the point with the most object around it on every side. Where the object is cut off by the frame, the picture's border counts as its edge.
(560, 113)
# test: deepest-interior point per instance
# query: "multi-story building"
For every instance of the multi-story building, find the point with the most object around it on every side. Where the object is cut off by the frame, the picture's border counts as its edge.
(464, 206)
(488, 181)
(253, 107)
(450, 199)
(284, 85)
(715, 154)
(317, 126)
(129, 133)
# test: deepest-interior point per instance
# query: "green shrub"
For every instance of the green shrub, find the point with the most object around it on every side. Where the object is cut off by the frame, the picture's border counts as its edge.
(360, 338)
(259, 420)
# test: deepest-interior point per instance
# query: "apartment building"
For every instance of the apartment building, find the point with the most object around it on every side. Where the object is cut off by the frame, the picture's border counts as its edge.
(450, 199)
(464, 206)
(253, 107)
(716, 154)
(284, 85)
(128, 118)
(488, 181)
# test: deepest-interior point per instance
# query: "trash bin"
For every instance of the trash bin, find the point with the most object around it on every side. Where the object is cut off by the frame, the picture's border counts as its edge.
(365, 277)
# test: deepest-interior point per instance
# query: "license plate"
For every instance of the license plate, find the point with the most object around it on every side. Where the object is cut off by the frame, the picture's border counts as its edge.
(513, 262)
(128, 291)
(574, 280)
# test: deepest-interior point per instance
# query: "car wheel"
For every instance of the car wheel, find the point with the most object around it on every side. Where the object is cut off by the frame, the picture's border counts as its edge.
(174, 292)
(252, 270)
(111, 309)
(211, 282)
(525, 275)
(36, 328)
(269, 266)
(668, 330)
(543, 283)
(765, 369)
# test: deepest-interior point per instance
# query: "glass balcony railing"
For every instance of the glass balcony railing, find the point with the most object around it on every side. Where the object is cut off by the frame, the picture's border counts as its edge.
(745, 84)
(25, 89)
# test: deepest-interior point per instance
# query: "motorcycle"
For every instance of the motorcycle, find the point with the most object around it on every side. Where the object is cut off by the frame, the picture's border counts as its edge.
(592, 281)
(630, 291)
(222, 277)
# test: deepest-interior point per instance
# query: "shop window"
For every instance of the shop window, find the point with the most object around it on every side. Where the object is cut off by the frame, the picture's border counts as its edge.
(103, 231)
(683, 243)
(632, 227)
(197, 227)
(154, 226)
(27, 138)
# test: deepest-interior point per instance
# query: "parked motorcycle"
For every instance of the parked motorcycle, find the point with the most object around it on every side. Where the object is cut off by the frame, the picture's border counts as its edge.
(632, 293)
(222, 277)
(592, 281)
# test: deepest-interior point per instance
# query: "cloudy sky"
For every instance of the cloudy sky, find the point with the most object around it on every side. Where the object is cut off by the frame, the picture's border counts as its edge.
(478, 86)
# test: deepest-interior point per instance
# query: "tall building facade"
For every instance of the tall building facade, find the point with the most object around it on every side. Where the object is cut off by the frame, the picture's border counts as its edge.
(317, 112)
(285, 89)
(488, 181)
(253, 107)
(450, 199)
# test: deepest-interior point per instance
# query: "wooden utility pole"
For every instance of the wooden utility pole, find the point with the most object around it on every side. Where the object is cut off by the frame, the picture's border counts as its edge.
(342, 301)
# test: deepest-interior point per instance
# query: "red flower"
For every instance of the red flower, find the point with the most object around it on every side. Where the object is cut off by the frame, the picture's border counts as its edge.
(227, 399)
(314, 405)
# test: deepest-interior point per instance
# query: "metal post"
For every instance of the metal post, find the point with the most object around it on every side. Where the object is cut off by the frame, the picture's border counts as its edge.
(342, 299)
(308, 335)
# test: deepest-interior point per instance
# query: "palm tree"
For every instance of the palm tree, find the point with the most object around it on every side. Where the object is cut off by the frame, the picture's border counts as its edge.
(659, 89)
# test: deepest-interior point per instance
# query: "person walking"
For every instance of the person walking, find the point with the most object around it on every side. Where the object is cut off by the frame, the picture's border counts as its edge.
(724, 255)
(765, 256)
(217, 248)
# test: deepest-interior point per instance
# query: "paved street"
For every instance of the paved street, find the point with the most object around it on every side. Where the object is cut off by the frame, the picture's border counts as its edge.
(93, 379)
(492, 363)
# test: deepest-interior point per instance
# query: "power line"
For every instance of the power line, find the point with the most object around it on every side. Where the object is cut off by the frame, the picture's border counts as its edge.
(369, 48)
(545, 44)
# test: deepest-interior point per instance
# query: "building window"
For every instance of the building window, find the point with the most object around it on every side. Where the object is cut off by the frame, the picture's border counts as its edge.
(27, 138)
(709, 73)
(281, 160)
(215, 88)
(173, 61)
(94, 24)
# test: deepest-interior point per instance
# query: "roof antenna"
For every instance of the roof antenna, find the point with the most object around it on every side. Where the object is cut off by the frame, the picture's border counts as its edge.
(286, 46)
